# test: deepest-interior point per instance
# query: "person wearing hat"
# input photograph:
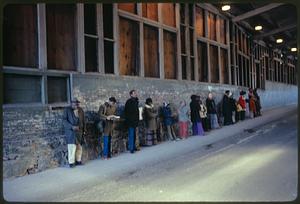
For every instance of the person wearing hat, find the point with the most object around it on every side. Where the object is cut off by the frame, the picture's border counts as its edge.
(242, 104)
(74, 125)
(107, 113)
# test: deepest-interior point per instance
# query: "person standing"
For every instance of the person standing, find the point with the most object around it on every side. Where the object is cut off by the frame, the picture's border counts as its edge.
(107, 112)
(203, 116)
(257, 102)
(212, 111)
(169, 121)
(195, 115)
(149, 116)
(183, 118)
(242, 103)
(131, 114)
(73, 129)
(81, 134)
(252, 107)
(227, 108)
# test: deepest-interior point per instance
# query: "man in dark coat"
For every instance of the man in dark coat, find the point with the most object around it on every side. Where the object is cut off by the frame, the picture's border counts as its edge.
(227, 108)
(73, 121)
(131, 113)
(257, 102)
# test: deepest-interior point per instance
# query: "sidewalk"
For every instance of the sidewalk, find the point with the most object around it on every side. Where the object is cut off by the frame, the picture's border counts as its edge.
(52, 184)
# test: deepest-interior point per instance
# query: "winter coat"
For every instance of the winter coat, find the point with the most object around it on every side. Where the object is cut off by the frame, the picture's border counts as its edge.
(104, 111)
(149, 116)
(226, 106)
(203, 111)
(242, 102)
(131, 112)
(70, 120)
(195, 108)
(167, 115)
(183, 113)
(82, 127)
(252, 106)
(211, 106)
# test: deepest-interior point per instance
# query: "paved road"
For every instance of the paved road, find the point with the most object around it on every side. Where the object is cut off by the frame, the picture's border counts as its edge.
(260, 167)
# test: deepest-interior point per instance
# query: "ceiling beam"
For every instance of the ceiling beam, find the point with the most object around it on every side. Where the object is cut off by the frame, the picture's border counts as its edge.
(256, 12)
(278, 30)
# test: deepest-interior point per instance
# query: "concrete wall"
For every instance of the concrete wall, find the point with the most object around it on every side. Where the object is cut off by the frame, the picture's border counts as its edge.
(33, 137)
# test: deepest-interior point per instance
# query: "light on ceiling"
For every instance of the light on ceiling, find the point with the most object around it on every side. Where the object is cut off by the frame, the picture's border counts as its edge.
(279, 40)
(225, 8)
(293, 49)
(258, 27)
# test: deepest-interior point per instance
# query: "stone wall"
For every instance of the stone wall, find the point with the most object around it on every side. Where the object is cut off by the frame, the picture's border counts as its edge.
(33, 137)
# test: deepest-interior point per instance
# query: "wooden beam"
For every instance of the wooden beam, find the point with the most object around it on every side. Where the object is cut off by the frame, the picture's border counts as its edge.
(256, 12)
(278, 30)
(196, 73)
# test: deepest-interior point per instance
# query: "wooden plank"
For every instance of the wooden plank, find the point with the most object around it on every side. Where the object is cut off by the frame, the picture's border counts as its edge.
(223, 31)
(187, 42)
(129, 47)
(141, 49)
(170, 62)
(129, 7)
(199, 22)
(20, 35)
(42, 36)
(212, 26)
(218, 25)
(168, 14)
(150, 10)
(224, 66)
(61, 42)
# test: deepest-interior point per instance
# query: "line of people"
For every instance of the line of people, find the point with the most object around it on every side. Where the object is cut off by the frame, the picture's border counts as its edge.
(201, 116)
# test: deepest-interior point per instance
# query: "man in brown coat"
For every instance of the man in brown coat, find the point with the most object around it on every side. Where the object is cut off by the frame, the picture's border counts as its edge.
(107, 112)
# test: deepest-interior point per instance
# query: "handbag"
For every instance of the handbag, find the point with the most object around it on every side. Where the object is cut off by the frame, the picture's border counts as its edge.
(239, 108)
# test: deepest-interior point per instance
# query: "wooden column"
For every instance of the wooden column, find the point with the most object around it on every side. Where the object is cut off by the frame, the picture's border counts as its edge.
(187, 43)
(141, 41)
(219, 51)
(207, 45)
(42, 36)
(228, 52)
(116, 38)
(161, 44)
(100, 33)
(196, 74)
(80, 38)
(179, 65)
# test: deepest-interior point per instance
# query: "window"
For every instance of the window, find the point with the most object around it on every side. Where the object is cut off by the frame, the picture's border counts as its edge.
(200, 22)
(90, 38)
(108, 38)
(150, 11)
(129, 7)
(170, 60)
(168, 14)
(151, 58)
(214, 66)
(22, 89)
(61, 40)
(20, 36)
(57, 89)
(202, 61)
(129, 47)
